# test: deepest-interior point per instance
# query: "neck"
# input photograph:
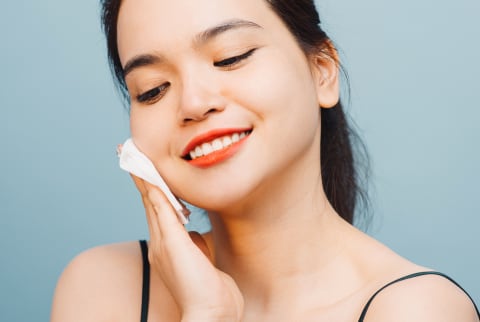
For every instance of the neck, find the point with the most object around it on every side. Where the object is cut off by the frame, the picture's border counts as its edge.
(282, 243)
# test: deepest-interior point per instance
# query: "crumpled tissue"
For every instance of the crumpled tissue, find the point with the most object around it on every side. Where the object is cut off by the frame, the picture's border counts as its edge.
(134, 161)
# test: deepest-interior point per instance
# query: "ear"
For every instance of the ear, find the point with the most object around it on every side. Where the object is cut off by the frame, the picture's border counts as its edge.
(325, 70)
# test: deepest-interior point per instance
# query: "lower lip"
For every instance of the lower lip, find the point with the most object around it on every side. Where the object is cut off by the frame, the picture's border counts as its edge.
(218, 156)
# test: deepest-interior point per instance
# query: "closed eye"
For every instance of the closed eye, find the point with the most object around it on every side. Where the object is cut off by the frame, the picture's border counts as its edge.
(232, 61)
(153, 95)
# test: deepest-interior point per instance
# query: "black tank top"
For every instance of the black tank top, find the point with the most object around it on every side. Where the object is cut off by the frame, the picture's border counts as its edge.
(146, 286)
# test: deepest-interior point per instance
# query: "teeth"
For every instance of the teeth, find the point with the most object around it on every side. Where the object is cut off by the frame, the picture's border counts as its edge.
(207, 148)
(216, 145)
(226, 140)
(235, 138)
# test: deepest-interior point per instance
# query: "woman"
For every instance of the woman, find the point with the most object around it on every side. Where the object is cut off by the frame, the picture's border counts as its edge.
(237, 105)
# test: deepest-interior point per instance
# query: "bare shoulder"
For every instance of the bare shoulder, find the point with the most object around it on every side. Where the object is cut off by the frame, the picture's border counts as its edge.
(98, 282)
(422, 298)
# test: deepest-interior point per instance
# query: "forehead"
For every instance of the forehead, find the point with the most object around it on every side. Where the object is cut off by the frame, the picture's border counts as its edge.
(147, 25)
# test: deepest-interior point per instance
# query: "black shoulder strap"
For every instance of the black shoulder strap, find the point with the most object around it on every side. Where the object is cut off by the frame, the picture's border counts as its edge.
(365, 309)
(146, 281)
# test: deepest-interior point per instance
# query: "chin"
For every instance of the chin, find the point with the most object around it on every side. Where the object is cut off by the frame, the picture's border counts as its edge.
(220, 198)
(218, 202)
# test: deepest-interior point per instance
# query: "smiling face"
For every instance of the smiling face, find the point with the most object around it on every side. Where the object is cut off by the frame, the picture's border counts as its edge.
(223, 100)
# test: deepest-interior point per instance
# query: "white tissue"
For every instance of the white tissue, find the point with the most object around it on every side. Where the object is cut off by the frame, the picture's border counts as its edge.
(137, 163)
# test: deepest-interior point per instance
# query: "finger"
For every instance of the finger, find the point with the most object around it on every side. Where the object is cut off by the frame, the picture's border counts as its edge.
(150, 208)
(167, 217)
(164, 225)
(150, 212)
(140, 184)
(152, 220)
(119, 149)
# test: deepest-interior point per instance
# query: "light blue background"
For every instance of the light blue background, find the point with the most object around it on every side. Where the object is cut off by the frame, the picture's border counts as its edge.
(414, 69)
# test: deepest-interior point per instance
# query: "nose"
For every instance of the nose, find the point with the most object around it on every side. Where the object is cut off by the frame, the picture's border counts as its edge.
(200, 98)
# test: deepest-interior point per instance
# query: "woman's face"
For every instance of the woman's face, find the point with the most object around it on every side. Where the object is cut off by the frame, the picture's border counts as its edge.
(202, 75)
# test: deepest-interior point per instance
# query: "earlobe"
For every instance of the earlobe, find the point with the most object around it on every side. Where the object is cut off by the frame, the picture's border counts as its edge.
(325, 72)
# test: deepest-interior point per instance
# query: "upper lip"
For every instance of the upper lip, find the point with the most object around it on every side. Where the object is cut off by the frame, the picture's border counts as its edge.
(209, 136)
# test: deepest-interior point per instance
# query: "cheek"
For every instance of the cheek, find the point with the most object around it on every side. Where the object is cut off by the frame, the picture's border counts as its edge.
(149, 131)
(283, 94)
(279, 79)
(278, 87)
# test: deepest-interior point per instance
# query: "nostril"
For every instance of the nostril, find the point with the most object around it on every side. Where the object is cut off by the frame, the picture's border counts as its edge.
(200, 117)
(212, 110)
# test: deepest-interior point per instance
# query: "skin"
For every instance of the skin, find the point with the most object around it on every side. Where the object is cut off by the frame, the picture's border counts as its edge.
(271, 214)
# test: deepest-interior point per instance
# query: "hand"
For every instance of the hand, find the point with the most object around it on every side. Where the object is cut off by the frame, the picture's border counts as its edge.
(184, 263)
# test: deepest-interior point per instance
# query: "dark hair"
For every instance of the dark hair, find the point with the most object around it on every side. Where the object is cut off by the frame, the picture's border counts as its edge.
(340, 165)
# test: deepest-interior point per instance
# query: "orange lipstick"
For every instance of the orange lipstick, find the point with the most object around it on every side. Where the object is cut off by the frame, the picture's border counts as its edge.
(215, 146)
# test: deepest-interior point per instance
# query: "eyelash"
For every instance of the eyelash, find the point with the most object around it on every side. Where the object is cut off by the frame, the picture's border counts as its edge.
(154, 94)
(232, 61)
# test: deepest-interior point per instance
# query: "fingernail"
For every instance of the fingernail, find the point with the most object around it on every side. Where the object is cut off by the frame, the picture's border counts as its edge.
(119, 149)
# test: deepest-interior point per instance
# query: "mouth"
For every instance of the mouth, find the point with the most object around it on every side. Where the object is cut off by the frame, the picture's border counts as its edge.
(214, 146)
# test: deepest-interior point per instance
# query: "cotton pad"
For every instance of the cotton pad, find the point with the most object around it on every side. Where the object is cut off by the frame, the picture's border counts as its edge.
(138, 164)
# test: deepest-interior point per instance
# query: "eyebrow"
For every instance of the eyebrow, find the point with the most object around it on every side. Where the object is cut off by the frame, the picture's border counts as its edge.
(207, 35)
(200, 39)
(140, 61)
